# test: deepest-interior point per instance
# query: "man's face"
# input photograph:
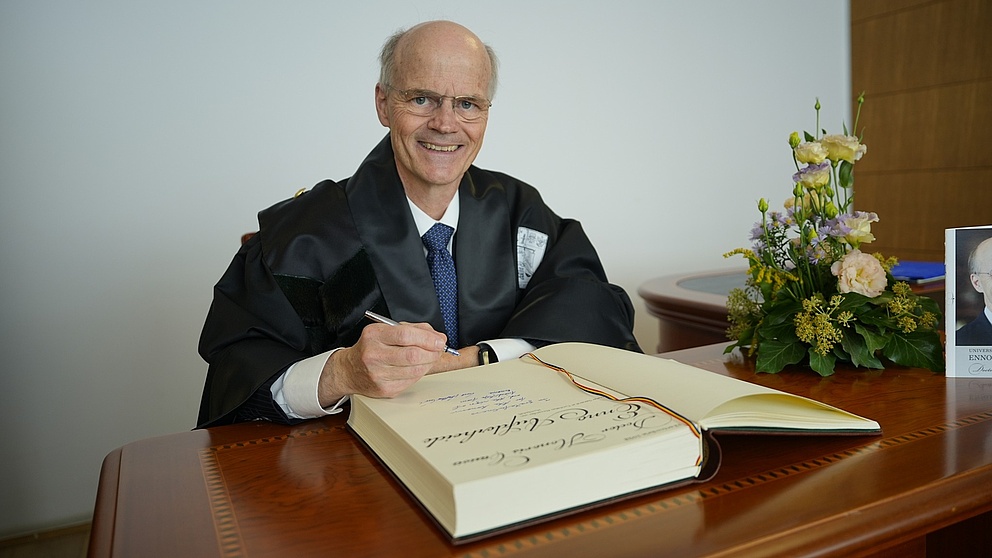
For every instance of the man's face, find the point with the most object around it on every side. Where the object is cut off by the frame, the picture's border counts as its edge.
(980, 277)
(434, 150)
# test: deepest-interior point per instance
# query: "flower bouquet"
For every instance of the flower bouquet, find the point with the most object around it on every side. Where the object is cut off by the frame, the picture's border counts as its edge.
(812, 295)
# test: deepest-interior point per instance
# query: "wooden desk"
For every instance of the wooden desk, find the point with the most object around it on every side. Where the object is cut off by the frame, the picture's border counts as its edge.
(692, 307)
(260, 489)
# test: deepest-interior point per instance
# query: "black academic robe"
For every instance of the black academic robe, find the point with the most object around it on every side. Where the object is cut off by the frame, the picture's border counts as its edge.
(300, 286)
(975, 332)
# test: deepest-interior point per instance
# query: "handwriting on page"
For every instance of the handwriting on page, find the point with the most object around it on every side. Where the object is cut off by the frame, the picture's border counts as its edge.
(475, 403)
(530, 431)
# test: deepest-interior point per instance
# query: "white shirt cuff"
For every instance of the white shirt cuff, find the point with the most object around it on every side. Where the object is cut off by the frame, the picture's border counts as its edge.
(296, 390)
(509, 349)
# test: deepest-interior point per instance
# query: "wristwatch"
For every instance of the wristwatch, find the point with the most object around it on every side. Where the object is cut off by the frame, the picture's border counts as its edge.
(486, 354)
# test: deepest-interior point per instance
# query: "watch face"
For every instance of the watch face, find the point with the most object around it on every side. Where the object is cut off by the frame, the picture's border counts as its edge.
(485, 354)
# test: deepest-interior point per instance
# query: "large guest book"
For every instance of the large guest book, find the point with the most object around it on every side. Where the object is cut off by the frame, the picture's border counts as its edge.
(494, 447)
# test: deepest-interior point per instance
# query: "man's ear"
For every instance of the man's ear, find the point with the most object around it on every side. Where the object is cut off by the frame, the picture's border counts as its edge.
(976, 283)
(380, 105)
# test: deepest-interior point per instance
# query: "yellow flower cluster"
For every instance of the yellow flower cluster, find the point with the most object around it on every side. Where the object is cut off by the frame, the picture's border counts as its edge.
(818, 326)
(887, 263)
(777, 278)
(903, 307)
(762, 274)
(743, 313)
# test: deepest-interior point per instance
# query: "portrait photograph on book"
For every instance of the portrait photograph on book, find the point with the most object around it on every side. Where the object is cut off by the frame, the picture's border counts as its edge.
(568, 427)
(968, 254)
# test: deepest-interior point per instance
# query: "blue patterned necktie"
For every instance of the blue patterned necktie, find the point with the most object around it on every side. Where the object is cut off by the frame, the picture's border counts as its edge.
(443, 272)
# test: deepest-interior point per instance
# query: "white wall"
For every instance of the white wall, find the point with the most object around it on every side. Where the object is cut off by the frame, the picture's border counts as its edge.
(139, 139)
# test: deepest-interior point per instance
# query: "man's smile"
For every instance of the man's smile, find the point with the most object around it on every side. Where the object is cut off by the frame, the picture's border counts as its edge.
(434, 147)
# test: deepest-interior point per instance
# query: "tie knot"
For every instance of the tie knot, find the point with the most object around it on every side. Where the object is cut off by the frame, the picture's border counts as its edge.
(437, 237)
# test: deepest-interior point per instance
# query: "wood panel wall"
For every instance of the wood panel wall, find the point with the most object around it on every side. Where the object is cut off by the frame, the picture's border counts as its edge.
(926, 69)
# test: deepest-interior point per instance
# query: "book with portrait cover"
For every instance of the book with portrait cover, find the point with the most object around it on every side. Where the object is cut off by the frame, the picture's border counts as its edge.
(968, 302)
(494, 447)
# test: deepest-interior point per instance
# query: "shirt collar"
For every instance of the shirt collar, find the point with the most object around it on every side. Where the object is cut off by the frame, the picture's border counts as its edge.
(425, 222)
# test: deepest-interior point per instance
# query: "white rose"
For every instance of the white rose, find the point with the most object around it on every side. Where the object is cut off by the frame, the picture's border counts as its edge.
(810, 152)
(859, 273)
(843, 148)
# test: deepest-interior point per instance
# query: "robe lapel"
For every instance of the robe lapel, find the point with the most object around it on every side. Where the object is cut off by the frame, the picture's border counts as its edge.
(387, 230)
(484, 261)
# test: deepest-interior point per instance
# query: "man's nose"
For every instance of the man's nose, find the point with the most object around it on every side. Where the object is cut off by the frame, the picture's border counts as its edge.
(444, 118)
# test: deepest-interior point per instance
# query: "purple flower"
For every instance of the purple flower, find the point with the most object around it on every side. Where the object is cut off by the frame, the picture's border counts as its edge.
(757, 231)
(812, 176)
(855, 227)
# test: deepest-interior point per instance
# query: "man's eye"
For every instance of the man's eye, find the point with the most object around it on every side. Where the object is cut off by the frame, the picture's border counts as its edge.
(420, 101)
(467, 104)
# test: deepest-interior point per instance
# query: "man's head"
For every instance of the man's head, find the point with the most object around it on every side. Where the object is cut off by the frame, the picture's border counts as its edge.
(435, 142)
(980, 266)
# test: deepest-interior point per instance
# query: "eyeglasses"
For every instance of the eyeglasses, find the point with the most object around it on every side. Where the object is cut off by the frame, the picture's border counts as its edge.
(422, 102)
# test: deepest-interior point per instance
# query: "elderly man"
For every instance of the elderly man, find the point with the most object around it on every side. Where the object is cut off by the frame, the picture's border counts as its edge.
(472, 263)
(979, 330)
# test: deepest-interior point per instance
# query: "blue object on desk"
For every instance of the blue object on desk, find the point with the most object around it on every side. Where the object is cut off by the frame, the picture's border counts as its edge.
(918, 272)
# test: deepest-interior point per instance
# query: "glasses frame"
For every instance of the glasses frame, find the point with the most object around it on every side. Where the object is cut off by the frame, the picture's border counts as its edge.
(436, 99)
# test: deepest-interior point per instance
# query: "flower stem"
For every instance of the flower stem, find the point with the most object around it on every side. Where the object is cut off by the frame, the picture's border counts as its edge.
(861, 101)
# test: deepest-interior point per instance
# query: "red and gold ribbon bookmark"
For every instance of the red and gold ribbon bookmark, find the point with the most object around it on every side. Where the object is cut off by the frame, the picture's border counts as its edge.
(611, 397)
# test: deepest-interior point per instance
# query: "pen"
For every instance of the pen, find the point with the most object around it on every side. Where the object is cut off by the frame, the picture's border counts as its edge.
(384, 320)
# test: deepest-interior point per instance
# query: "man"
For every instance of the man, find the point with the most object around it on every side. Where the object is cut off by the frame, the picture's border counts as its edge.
(979, 330)
(286, 337)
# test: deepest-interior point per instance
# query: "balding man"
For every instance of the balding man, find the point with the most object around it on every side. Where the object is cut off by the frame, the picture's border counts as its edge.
(979, 330)
(472, 263)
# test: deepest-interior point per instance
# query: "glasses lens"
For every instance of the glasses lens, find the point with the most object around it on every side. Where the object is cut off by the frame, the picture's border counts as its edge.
(419, 102)
(470, 108)
(424, 103)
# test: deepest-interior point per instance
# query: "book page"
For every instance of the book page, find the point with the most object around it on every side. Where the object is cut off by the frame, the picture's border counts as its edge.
(698, 394)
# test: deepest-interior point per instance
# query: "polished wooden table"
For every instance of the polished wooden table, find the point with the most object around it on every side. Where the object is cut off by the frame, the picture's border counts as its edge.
(922, 487)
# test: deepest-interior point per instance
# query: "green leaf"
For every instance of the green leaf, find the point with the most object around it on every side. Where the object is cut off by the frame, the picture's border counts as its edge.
(930, 305)
(807, 136)
(860, 348)
(877, 317)
(846, 174)
(823, 364)
(853, 302)
(917, 349)
(776, 355)
(873, 340)
(783, 311)
(784, 332)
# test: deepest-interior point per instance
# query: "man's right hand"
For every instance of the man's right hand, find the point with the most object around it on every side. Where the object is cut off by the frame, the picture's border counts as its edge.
(385, 361)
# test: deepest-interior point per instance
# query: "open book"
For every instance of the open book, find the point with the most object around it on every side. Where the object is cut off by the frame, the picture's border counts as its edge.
(496, 446)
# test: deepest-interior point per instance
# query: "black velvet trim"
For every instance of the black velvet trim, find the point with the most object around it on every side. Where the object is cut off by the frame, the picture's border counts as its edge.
(333, 311)
(349, 292)
(302, 293)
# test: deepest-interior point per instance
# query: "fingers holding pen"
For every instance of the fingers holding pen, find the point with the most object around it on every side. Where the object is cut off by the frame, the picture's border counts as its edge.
(384, 361)
(403, 344)
(388, 321)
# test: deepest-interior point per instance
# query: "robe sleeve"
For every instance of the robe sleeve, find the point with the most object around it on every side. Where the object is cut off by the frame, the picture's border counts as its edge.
(250, 336)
